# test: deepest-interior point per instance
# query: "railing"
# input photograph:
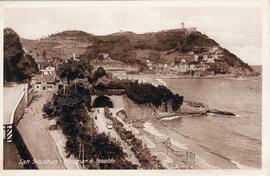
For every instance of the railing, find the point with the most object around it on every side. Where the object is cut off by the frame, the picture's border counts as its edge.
(8, 133)
(11, 134)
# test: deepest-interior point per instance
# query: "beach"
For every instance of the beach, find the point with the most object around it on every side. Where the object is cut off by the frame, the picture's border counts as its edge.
(216, 140)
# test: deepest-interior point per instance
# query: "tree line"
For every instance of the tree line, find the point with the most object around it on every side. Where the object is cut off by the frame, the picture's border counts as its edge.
(69, 108)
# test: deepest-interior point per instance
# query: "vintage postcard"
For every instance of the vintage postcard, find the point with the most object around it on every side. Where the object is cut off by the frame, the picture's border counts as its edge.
(135, 87)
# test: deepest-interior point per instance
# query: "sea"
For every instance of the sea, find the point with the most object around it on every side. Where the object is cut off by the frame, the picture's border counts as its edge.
(221, 141)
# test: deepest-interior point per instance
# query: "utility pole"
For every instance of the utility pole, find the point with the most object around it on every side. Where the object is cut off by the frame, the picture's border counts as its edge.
(64, 89)
(81, 153)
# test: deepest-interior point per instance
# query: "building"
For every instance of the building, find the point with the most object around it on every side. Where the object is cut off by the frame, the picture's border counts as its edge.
(211, 60)
(119, 73)
(196, 57)
(149, 64)
(205, 58)
(192, 67)
(105, 55)
(50, 70)
(165, 66)
(44, 82)
(213, 49)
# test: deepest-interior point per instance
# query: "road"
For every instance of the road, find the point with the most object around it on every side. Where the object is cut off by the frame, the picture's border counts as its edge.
(34, 130)
(100, 123)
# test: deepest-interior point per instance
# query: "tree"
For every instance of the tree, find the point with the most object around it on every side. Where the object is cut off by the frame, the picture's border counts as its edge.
(100, 72)
(73, 69)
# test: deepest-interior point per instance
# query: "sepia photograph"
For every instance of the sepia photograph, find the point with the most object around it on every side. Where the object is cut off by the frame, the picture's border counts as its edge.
(132, 86)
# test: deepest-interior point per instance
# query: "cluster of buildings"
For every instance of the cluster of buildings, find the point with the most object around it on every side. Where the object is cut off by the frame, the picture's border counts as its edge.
(188, 62)
(47, 80)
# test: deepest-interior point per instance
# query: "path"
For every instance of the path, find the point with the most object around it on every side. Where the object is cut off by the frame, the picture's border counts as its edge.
(34, 130)
(100, 122)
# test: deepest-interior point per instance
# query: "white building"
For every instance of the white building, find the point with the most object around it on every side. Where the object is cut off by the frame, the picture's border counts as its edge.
(105, 55)
(211, 60)
(205, 58)
(213, 49)
(183, 61)
(192, 67)
(196, 57)
(44, 82)
(50, 70)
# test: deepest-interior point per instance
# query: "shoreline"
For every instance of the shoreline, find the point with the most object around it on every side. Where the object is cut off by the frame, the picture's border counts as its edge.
(201, 161)
(147, 128)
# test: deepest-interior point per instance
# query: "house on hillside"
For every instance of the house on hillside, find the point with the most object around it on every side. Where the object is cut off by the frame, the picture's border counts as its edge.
(196, 57)
(149, 64)
(43, 82)
(192, 66)
(50, 70)
(104, 56)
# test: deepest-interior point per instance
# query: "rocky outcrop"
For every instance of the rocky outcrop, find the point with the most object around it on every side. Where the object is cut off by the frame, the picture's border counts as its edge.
(18, 66)
(189, 107)
(141, 112)
(218, 112)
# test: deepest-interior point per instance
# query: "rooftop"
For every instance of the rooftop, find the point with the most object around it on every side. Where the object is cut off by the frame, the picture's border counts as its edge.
(44, 78)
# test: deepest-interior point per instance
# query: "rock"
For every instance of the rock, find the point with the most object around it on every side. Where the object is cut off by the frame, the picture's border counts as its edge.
(189, 107)
(215, 111)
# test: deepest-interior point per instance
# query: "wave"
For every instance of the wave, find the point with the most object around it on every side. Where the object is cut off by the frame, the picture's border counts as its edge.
(170, 118)
(240, 166)
(149, 128)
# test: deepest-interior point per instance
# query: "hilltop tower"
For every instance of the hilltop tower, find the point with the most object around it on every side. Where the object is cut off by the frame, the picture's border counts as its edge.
(182, 25)
(74, 52)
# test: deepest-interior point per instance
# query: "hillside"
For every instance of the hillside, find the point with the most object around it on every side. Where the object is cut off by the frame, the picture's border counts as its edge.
(178, 50)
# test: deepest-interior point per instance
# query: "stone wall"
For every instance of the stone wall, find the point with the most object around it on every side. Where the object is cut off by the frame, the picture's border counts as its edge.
(20, 109)
(139, 112)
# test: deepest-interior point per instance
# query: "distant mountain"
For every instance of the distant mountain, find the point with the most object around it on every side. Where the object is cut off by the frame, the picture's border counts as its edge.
(18, 66)
(170, 47)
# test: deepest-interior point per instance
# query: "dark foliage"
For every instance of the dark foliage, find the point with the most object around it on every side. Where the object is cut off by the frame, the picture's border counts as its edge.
(145, 93)
(74, 69)
(79, 130)
(100, 72)
(18, 66)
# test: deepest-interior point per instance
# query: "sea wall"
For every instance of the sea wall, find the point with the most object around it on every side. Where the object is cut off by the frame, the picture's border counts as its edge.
(140, 112)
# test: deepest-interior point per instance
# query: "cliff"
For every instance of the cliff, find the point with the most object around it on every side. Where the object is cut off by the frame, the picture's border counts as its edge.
(18, 66)
(174, 48)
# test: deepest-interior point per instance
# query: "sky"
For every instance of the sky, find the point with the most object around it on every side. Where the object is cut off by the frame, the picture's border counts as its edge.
(238, 29)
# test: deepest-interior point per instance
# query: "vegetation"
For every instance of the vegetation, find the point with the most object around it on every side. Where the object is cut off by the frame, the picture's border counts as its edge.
(18, 66)
(79, 130)
(145, 93)
(100, 72)
(74, 69)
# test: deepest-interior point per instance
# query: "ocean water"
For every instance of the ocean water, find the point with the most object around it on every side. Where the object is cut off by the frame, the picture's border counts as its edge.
(221, 141)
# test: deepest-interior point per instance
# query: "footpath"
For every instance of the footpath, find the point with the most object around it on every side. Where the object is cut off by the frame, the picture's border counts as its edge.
(35, 132)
